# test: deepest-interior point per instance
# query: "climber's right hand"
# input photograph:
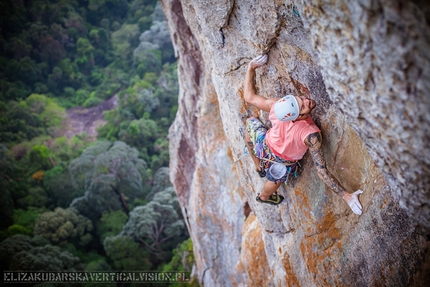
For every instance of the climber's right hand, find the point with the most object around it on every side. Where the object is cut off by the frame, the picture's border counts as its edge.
(258, 61)
(353, 202)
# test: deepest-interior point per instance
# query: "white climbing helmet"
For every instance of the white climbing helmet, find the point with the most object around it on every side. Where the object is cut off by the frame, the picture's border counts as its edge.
(287, 108)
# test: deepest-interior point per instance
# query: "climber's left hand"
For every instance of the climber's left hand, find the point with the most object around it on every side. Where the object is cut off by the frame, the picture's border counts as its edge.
(258, 61)
(353, 202)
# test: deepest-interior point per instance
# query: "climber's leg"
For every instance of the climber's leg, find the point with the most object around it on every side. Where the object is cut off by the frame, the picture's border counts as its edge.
(252, 125)
(268, 189)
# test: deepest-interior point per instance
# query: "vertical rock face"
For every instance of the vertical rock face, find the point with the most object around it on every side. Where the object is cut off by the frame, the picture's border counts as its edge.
(375, 62)
(364, 63)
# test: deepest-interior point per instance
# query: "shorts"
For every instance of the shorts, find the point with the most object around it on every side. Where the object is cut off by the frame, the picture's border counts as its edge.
(257, 133)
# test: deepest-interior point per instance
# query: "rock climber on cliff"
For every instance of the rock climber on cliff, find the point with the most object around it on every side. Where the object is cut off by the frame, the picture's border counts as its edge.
(276, 151)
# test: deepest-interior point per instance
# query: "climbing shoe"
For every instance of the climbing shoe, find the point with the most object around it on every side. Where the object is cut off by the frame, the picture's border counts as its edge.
(261, 173)
(274, 199)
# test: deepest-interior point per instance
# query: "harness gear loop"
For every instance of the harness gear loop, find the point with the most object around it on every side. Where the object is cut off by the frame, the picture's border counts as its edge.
(284, 163)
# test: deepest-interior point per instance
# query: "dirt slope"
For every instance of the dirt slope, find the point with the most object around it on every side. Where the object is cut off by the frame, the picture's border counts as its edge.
(87, 120)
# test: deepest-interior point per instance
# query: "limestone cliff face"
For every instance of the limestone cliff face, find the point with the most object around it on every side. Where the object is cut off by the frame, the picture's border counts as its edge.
(366, 65)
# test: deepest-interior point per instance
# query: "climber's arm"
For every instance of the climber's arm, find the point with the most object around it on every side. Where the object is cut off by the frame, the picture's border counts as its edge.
(250, 95)
(313, 141)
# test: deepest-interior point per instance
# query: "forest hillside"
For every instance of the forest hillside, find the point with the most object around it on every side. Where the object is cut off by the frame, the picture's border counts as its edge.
(366, 64)
(88, 90)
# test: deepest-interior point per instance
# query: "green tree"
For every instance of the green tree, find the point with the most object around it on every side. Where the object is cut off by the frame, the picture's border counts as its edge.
(111, 224)
(15, 90)
(48, 112)
(36, 197)
(46, 47)
(158, 223)
(95, 4)
(126, 254)
(183, 258)
(27, 70)
(160, 182)
(144, 23)
(112, 175)
(105, 23)
(46, 257)
(159, 36)
(19, 47)
(167, 92)
(16, 244)
(7, 165)
(27, 218)
(85, 50)
(36, 103)
(124, 39)
(64, 225)
(92, 101)
(58, 184)
(18, 229)
(19, 123)
(40, 157)
(12, 245)
(52, 115)
(140, 133)
(147, 58)
(80, 96)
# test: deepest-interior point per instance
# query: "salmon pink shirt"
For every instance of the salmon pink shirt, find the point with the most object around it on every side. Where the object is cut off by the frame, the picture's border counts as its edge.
(287, 139)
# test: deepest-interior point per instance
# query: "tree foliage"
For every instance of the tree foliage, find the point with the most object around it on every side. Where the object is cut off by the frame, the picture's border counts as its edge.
(157, 223)
(46, 257)
(111, 223)
(144, 115)
(58, 185)
(40, 154)
(126, 254)
(16, 244)
(159, 38)
(64, 225)
(7, 165)
(161, 181)
(59, 45)
(30, 118)
(182, 260)
(112, 175)
(27, 218)
(36, 197)
(61, 54)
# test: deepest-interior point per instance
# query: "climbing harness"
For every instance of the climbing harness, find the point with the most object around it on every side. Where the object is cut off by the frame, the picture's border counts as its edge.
(289, 168)
(275, 172)
(283, 163)
(272, 167)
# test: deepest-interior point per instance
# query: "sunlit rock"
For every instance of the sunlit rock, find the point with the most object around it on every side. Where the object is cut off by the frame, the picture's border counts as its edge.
(366, 66)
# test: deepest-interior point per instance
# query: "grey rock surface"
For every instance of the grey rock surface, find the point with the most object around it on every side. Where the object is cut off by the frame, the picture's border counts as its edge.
(364, 63)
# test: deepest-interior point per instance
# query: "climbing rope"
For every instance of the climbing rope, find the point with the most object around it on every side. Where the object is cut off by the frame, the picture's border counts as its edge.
(294, 9)
(245, 153)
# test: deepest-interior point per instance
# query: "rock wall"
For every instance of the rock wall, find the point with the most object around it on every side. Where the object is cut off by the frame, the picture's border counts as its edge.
(364, 63)
(374, 59)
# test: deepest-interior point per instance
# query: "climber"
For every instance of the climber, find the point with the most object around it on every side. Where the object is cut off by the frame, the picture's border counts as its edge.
(276, 151)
